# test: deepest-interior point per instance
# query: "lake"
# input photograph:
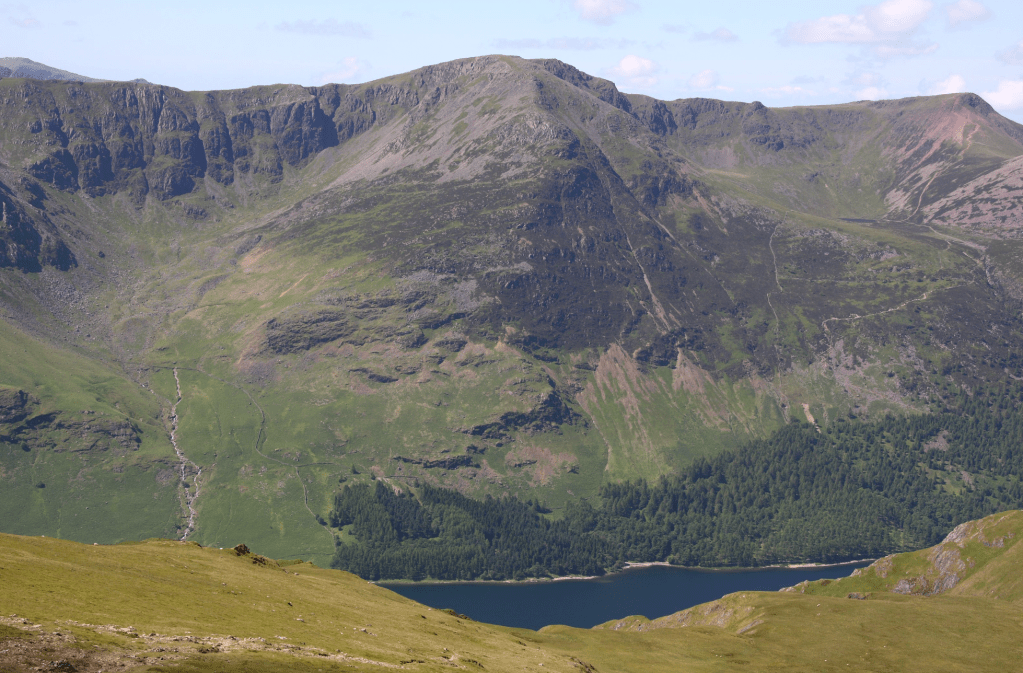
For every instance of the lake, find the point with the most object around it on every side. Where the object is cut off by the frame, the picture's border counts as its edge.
(652, 591)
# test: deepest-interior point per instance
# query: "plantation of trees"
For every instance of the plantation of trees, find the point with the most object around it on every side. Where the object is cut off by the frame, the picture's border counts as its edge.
(852, 490)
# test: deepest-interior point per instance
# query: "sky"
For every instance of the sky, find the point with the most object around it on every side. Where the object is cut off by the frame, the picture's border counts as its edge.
(782, 53)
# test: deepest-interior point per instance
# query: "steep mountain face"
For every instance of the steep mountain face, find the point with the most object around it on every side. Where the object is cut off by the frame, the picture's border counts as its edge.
(493, 274)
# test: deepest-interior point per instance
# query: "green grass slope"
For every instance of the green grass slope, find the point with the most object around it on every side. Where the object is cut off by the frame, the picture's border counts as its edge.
(162, 605)
(174, 606)
(952, 607)
(977, 559)
(84, 452)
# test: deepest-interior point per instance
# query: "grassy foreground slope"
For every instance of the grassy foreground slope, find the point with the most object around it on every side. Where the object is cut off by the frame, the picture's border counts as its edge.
(957, 606)
(161, 605)
(167, 604)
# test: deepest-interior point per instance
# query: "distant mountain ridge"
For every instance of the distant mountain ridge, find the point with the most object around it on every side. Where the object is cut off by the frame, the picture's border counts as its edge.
(16, 66)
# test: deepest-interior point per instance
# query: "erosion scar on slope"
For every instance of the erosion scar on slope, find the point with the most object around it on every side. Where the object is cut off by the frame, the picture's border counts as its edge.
(190, 495)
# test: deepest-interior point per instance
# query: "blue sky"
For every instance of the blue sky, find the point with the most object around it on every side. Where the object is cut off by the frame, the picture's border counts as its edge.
(781, 53)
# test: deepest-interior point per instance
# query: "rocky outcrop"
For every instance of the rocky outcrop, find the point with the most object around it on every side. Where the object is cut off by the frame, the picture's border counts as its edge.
(375, 377)
(28, 241)
(948, 563)
(22, 424)
(603, 89)
(15, 404)
(296, 333)
(447, 463)
(546, 416)
(145, 139)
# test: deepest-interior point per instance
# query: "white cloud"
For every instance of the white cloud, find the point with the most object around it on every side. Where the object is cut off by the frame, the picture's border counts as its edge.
(866, 86)
(952, 84)
(898, 16)
(705, 79)
(721, 35)
(892, 49)
(603, 12)
(348, 70)
(330, 27)
(864, 79)
(571, 43)
(870, 93)
(839, 28)
(1013, 55)
(889, 20)
(787, 90)
(637, 70)
(20, 15)
(674, 28)
(1008, 95)
(966, 10)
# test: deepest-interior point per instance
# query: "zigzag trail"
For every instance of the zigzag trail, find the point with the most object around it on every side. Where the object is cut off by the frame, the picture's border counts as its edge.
(193, 495)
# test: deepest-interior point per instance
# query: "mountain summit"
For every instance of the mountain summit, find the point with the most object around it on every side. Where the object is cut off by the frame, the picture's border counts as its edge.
(494, 274)
(15, 66)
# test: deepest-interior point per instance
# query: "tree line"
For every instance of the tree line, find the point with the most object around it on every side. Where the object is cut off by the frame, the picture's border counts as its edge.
(853, 490)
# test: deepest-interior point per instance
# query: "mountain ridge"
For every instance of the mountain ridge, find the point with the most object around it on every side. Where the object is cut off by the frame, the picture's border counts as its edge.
(495, 275)
(18, 66)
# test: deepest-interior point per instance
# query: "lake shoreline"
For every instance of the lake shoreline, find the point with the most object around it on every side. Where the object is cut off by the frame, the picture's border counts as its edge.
(626, 568)
(653, 590)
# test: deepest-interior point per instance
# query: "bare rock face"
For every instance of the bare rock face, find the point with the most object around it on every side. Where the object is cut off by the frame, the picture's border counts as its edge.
(147, 139)
(28, 240)
(301, 332)
(447, 463)
(15, 404)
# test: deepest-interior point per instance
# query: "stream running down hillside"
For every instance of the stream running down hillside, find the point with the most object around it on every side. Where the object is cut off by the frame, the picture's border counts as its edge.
(184, 465)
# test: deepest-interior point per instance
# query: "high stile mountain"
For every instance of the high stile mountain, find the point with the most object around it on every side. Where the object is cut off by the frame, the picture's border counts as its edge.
(495, 275)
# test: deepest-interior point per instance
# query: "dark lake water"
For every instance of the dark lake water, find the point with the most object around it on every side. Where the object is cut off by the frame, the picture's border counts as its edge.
(653, 592)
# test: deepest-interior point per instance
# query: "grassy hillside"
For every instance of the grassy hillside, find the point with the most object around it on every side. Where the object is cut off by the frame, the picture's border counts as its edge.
(880, 618)
(173, 606)
(85, 453)
(494, 275)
